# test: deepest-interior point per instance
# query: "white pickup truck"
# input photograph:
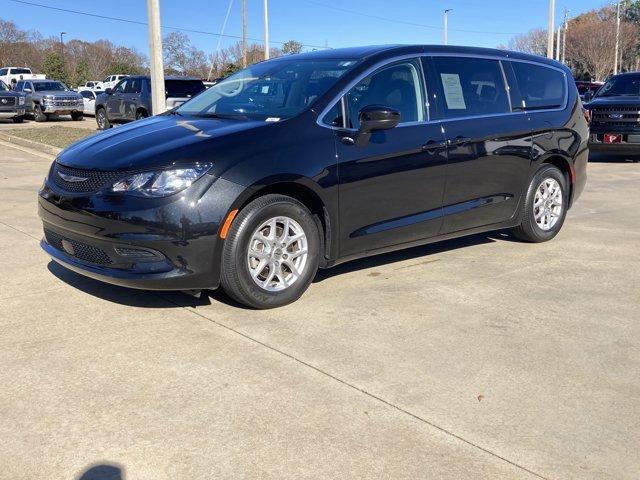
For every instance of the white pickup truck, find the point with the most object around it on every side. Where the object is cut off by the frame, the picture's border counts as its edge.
(12, 75)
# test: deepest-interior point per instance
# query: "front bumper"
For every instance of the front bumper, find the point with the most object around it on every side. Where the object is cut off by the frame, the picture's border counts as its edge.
(154, 244)
(16, 112)
(62, 110)
(630, 144)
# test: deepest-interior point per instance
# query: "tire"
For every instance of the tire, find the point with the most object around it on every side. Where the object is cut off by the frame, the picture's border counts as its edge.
(536, 225)
(237, 260)
(18, 119)
(102, 119)
(38, 114)
(77, 116)
(140, 114)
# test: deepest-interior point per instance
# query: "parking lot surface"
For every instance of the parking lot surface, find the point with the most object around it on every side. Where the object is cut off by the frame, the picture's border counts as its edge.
(475, 358)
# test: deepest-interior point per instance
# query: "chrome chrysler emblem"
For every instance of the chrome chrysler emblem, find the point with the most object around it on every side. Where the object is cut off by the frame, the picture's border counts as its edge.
(616, 116)
(72, 178)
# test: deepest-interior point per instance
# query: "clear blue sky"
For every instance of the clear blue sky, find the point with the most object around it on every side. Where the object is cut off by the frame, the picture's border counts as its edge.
(312, 22)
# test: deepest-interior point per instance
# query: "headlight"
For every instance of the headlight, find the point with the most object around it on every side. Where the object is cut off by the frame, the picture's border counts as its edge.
(20, 100)
(48, 100)
(160, 183)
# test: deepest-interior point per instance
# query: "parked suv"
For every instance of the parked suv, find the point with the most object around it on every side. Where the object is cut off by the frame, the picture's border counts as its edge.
(311, 160)
(11, 103)
(131, 98)
(615, 116)
(50, 97)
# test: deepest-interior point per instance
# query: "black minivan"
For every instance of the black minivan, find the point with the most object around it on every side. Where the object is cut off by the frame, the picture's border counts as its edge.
(306, 161)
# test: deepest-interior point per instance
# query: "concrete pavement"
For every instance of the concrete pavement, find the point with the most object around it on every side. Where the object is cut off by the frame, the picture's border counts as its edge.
(475, 358)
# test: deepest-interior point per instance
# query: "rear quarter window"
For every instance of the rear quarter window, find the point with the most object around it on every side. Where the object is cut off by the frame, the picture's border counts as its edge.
(540, 87)
(470, 86)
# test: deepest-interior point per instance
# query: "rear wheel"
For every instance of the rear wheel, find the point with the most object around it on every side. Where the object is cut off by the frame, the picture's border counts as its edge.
(271, 252)
(102, 120)
(38, 114)
(545, 206)
(77, 116)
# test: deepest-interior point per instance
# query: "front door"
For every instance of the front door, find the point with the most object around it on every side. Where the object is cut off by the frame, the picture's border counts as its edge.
(115, 102)
(391, 187)
(489, 145)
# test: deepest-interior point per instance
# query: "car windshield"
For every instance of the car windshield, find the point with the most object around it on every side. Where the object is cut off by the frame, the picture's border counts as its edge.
(183, 88)
(271, 90)
(622, 85)
(43, 86)
(3, 86)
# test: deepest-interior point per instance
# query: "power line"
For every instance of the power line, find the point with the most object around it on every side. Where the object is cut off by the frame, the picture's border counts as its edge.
(137, 22)
(403, 22)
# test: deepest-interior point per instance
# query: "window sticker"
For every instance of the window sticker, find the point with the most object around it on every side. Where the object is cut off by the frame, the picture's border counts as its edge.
(453, 91)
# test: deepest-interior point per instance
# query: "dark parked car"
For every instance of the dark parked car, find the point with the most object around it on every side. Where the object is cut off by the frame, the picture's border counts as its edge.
(12, 104)
(310, 160)
(130, 99)
(615, 116)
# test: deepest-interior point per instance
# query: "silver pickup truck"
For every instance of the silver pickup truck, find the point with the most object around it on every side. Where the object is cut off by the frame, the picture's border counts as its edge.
(50, 97)
(12, 104)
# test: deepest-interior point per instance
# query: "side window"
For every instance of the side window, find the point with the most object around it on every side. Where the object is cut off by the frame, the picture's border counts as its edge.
(86, 94)
(540, 87)
(133, 85)
(120, 87)
(3, 72)
(398, 86)
(19, 86)
(470, 86)
(334, 117)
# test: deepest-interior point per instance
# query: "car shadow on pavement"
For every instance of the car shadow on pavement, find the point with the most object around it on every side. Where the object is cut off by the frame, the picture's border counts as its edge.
(103, 471)
(604, 158)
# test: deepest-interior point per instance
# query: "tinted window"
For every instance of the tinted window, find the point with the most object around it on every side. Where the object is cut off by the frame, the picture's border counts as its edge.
(87, 94)
(398, 86)
(3, 72)
(134, 85)
(19, 71)
(183, 88)
(120, 87)
(470, 86)
(334, 116)
(540, 87)
(622, 85)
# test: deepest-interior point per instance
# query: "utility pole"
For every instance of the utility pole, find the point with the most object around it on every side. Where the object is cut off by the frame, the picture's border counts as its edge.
(158, 98)
(244, 33)
(564, 31)
(445, 35)
(615, 62)
(62, 45)
(266, 29)
(558, 44)
(550, 30)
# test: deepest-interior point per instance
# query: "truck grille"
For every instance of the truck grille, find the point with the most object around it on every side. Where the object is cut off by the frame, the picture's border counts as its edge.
(7, 101)
(613, 116)
(79, 250)
(83, 181)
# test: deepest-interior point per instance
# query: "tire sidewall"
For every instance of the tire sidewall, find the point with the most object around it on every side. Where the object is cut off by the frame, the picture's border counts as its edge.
(238, 243)
(101, 113)
(545, 172)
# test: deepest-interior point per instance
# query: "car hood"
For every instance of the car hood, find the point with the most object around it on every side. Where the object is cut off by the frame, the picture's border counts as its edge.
(10, 93)
(161, 141)
(58, 93)
(614, 101)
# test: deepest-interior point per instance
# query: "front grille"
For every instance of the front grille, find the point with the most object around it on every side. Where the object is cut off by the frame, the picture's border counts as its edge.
(79, 250)
(7, 101)
(78, 180)
(623, 116)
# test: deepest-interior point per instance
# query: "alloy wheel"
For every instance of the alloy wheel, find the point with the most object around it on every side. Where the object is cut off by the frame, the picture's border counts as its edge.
(548, 204)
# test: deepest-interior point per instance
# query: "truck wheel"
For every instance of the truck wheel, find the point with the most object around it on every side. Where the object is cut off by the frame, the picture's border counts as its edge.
(102, 120)
(38, 114)
(18, 119)
(140, 114)
(77, 116)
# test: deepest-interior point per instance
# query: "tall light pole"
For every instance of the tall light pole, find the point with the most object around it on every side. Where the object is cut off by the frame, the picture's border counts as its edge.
(244, 33)
(158, 98)
(266, 29)
(552, 9)
(445, 34)
(615, 61)
(62, 45)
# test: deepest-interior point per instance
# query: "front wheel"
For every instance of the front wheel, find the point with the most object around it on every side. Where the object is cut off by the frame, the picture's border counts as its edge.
(545, 206)
(77, 116)
(271, 253)
(102, 120)
(38, 114)
(140, 114)
(18, 119)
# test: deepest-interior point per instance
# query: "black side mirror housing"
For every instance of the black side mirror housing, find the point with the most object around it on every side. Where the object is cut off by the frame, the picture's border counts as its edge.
(108, 91)
(375, 118)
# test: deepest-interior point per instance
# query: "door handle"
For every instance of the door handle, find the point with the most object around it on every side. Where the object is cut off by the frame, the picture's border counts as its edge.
(458, 141)
(432, 145)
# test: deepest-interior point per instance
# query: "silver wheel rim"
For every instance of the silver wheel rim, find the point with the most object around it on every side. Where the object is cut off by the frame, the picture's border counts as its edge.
(277, 253)
(548, 204)
(101, 119)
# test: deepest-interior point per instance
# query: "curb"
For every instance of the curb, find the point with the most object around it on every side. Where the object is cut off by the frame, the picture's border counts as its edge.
(40, 147)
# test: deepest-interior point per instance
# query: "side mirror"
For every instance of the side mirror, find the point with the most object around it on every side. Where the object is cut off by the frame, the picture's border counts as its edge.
(375, 118)
(108, 91)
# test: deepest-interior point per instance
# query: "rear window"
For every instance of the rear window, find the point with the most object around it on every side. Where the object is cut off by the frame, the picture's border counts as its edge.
(471, 86)
(19, 71)
(540, 87)
(183, 88)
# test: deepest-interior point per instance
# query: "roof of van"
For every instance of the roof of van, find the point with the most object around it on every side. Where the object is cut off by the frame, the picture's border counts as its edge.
(363, 52)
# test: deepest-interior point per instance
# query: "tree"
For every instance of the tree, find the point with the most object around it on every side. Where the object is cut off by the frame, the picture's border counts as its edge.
(181, 57)
(291, 46)
(81, 73)
(53, 67)
(534, 41)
